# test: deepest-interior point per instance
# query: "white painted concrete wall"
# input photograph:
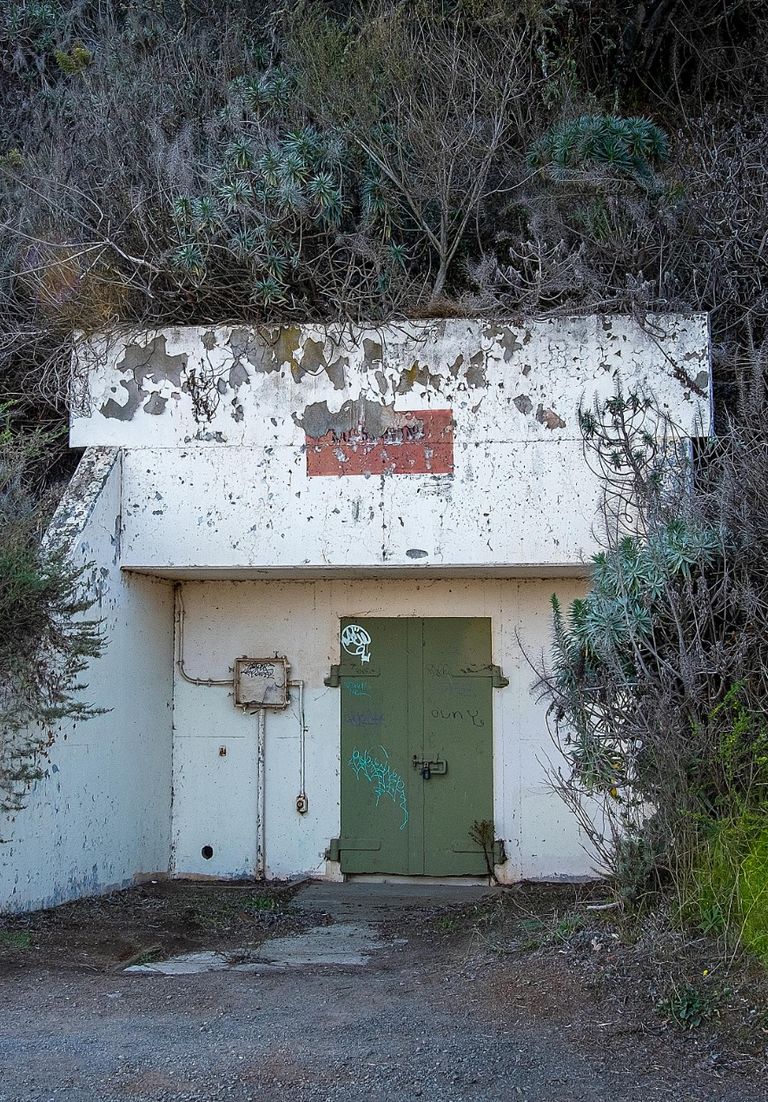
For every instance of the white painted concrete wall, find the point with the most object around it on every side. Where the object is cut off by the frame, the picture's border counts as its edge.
(212, 482)
(216, 466)
(215, 797)
(101, 813)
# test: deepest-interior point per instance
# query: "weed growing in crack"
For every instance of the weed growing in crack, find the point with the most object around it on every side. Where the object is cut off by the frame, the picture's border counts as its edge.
(688, 1005)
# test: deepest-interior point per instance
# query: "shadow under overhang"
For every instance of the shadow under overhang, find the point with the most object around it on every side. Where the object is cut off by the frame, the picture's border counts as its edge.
(399, 572)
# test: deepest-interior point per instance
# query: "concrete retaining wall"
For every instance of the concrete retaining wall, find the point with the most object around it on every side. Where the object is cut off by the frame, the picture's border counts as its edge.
(101, 813)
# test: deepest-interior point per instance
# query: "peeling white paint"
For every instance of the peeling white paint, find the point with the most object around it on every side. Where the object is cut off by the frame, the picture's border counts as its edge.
(217, 480)
(214, 393)
(197, 469)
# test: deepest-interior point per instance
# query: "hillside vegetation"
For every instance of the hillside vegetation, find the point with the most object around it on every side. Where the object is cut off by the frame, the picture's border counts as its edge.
(166, 161)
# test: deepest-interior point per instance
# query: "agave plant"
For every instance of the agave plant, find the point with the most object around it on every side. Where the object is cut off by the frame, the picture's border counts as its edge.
(267, 91)
(239, 153)
(206, 216)
(270, 197)
(372, 197)
(293, 168)
(243, 243)
(269, 165)
(397, 254)
(181, 210)
(305, 144)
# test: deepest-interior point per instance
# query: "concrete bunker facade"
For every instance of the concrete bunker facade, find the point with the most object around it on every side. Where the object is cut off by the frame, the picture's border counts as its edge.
(359, 529)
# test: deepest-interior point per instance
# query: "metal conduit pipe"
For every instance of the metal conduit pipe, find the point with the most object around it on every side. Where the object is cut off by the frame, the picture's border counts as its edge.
(178, 602)
(261, 836)
(302, 801)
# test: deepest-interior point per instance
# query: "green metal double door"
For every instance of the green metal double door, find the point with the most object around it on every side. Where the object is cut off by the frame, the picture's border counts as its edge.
(416, 744)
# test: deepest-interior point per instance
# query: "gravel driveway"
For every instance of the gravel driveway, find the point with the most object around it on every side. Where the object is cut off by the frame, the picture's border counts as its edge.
(424, 1017)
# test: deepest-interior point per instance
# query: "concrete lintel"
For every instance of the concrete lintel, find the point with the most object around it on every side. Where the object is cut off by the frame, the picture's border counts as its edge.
(341, 573)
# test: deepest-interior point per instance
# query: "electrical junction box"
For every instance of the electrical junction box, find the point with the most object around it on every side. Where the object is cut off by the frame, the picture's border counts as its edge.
(261, 682)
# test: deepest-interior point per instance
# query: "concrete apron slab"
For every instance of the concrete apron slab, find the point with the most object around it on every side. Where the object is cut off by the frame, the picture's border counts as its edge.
(342, 944)
(355, 908)
(377, 901)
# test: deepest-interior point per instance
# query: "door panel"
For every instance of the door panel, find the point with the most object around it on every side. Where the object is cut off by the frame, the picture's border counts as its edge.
(457, 731)
(415, 691)
(375, 723)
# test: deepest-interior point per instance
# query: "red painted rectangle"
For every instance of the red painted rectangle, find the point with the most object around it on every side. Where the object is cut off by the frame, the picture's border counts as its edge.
(418, 442)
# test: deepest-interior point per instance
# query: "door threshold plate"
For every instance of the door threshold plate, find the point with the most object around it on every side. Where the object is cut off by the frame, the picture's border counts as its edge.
(382, 878)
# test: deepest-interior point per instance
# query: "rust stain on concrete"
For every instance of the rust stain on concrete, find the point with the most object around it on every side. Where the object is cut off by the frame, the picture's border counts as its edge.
(549, 418)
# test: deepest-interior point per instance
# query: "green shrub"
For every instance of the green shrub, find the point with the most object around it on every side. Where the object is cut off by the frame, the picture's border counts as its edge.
(726, 891)
(74, 60)
(753, 890)
(632, 147)
(658, 701)
(45, 637)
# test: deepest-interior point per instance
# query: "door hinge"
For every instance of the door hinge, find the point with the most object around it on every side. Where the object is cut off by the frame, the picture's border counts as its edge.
(333, 681)
(498, 680)
(352, 845)
(499, 852)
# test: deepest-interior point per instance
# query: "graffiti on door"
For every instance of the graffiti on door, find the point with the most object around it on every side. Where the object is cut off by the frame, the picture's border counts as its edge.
(386, 781)
(358, 688)
(356, 641)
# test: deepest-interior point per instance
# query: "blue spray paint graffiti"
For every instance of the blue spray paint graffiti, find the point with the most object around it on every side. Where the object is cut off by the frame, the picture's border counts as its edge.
(365, 719)
(358, 688)
(386, 781)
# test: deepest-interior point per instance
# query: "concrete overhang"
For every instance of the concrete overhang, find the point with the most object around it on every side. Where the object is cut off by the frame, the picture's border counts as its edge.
(343, 573)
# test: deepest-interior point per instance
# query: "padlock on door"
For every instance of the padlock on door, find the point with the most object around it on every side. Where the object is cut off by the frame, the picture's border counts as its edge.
(428, 768)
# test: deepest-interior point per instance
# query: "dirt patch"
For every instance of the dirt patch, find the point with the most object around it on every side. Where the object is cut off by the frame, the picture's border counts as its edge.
(553, 954)
(149, 922)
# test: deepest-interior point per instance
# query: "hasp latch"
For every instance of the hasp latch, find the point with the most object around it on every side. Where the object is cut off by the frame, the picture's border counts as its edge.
(429, 767)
